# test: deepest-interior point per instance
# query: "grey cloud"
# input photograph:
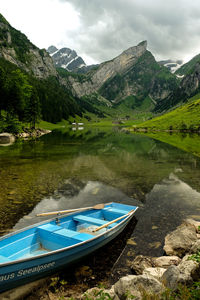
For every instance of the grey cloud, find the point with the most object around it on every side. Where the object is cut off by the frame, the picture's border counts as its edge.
(108, 27)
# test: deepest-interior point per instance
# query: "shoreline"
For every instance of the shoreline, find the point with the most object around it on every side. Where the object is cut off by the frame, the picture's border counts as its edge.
(7, 139)
(150, 275)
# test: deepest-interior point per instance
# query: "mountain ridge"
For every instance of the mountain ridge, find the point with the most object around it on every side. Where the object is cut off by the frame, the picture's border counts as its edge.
(133, 77)
(134, 72)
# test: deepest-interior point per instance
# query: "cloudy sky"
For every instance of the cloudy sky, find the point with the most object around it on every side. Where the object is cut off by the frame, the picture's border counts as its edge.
(101, 29)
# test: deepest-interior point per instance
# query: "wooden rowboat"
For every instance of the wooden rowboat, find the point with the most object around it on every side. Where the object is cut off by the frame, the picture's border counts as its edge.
(43, 248)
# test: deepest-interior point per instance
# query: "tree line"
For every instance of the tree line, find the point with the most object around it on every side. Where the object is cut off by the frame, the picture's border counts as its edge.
(25, 99)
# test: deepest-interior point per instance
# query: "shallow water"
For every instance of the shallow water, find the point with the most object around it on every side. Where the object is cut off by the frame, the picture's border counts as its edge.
(70, 169)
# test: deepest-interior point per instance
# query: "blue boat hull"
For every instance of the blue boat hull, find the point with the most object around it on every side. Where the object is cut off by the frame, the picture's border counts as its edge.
(22, 271)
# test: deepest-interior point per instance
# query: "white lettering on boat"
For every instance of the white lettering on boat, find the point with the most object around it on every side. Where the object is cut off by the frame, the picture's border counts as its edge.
(7, 277)
(35, 269)
(25, 272)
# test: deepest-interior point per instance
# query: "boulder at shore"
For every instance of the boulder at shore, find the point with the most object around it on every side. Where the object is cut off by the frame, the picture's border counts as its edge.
(6, 139)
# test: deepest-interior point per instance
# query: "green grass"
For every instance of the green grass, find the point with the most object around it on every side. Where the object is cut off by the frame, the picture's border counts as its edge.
(195, 257)
(51, 126)
(185, 117)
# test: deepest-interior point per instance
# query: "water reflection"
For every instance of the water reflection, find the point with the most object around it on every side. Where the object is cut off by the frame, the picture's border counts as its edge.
(75, 195)
(167, 205)
(61, 169)
(71, 169)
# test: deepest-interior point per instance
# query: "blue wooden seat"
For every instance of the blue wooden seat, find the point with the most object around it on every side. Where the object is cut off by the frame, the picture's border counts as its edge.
(50, 227)
(56, 230)
(73, 234)
(66, 232)
(90, 220)
(115, 210)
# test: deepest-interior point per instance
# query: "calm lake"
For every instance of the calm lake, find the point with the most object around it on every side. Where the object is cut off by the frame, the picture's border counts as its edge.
(70, 169)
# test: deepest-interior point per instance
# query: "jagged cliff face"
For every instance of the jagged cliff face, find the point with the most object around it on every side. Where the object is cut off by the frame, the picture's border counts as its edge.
(191, 83)
(134, 72)
(17, 49)
(189, 76)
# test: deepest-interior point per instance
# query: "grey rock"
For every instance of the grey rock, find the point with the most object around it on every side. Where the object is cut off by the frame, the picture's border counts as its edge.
(195, 247)
(184, 273)
(154, 272)
(194, 223)
(133, 285)
(6, 139)
(140, 263)
(190, 266)
(166, 261)
(171, 277)
(180, 240)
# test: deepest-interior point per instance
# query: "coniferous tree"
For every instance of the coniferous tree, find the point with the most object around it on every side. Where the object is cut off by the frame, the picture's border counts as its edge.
(19, 93)
(33, 109)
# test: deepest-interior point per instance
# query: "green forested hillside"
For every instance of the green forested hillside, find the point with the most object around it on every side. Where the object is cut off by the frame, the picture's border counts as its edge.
(185, 117)
(30, 88)
(188, 67)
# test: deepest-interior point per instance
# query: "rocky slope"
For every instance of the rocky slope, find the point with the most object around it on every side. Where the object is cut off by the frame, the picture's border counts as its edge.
(133, 73)
(17, 49)
(155, 277)
(188, 67)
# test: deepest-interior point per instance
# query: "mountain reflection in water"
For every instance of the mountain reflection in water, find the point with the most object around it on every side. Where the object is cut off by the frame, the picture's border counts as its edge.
(165, 206)
(67, 169)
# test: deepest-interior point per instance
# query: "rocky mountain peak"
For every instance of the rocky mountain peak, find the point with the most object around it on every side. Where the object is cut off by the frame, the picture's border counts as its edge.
(130, 73)
(52, 49)
(128, 57)
(140, 48)
(66, 58)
